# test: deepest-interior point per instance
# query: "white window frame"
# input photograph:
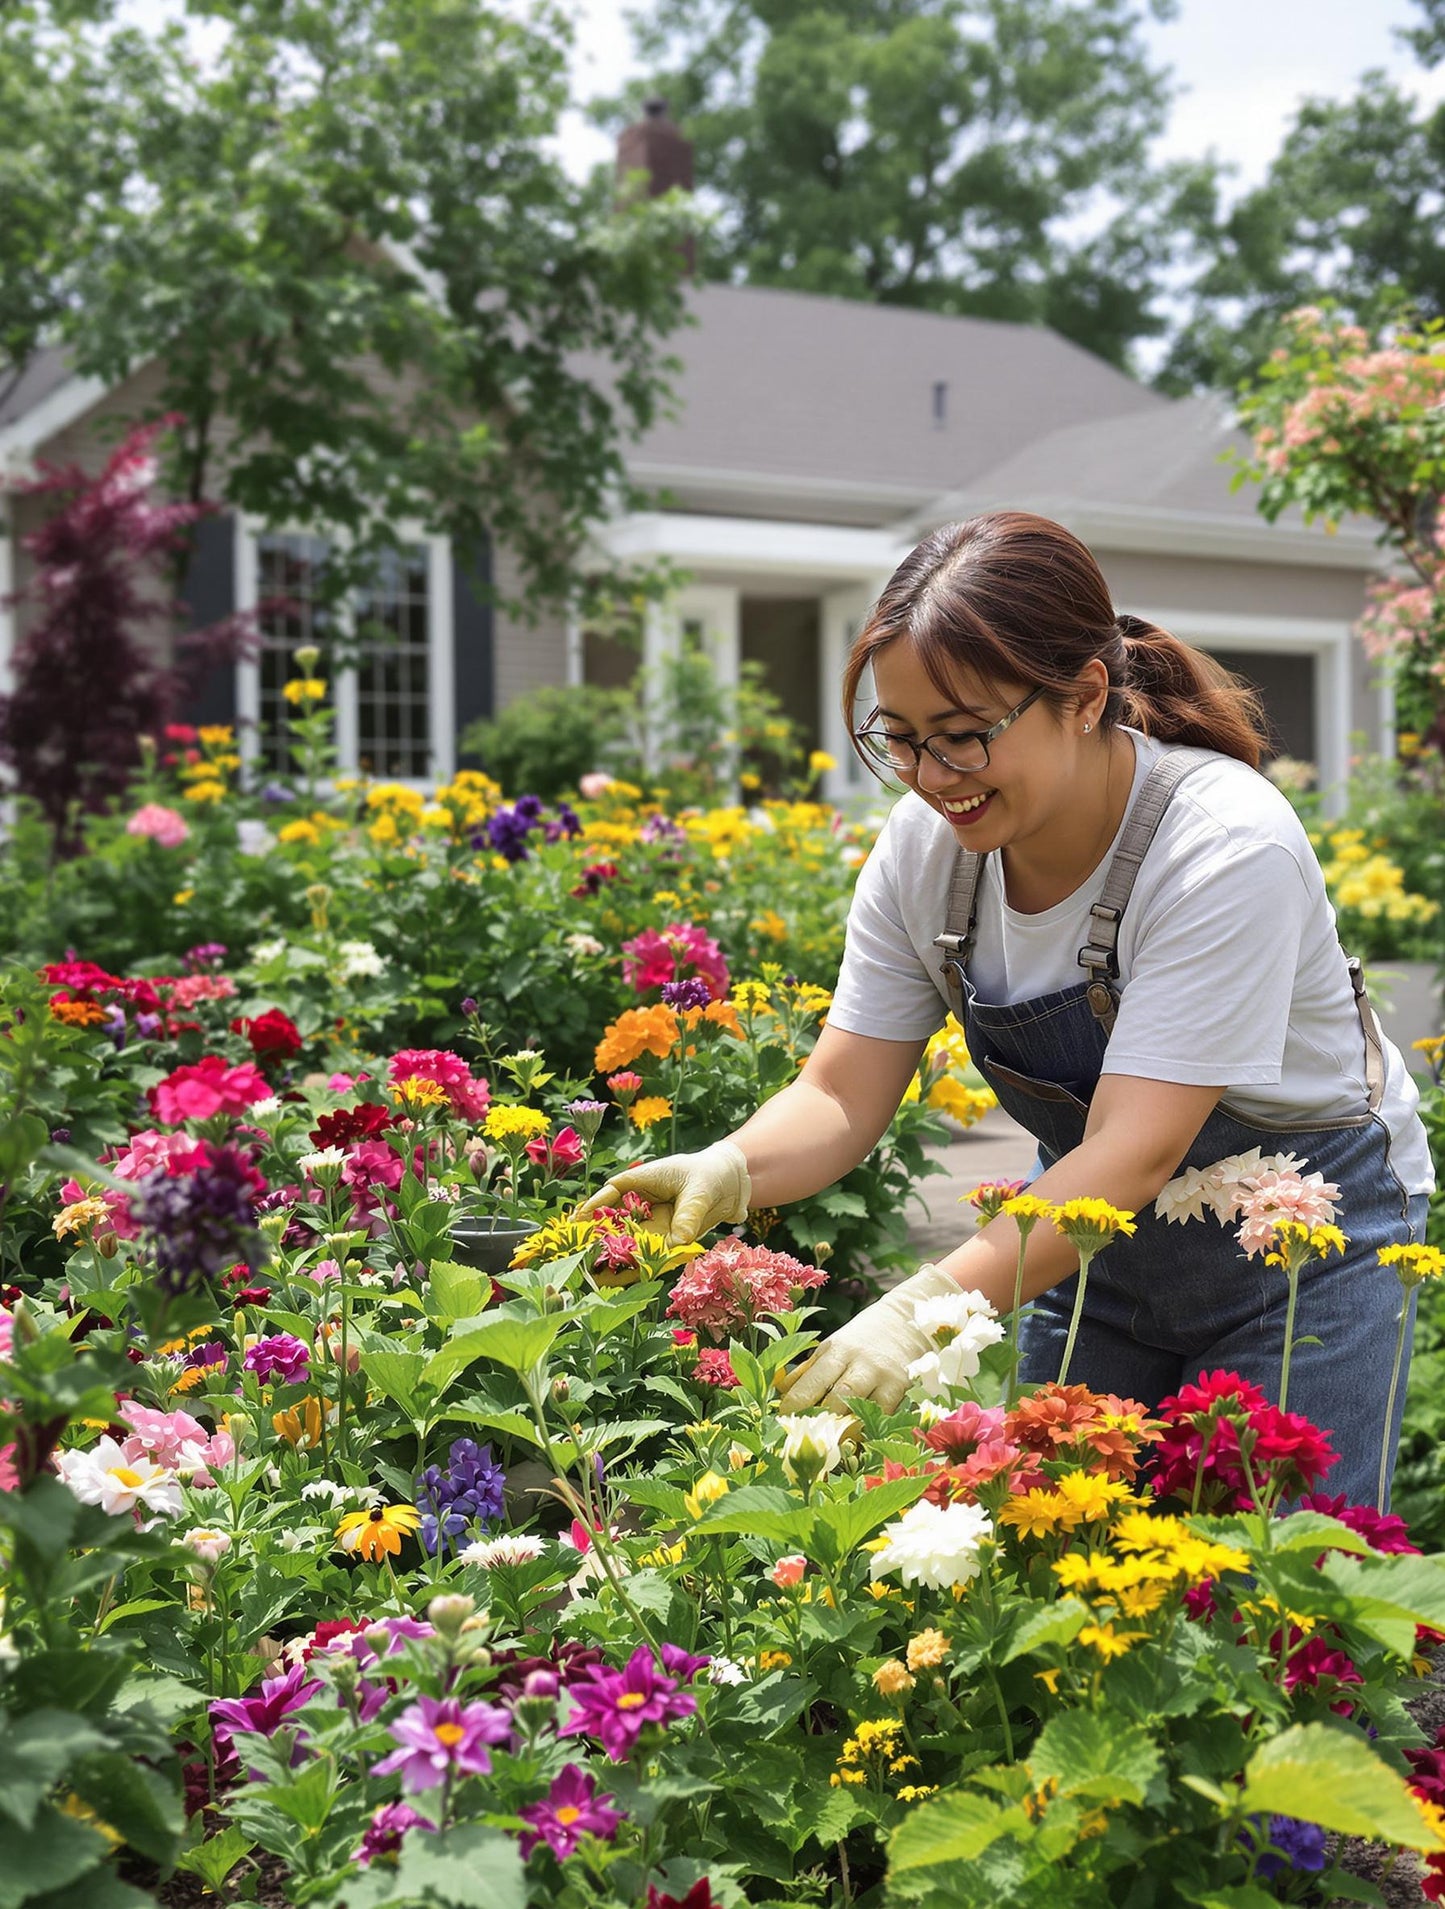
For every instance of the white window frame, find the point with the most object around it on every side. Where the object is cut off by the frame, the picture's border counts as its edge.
(441, 675)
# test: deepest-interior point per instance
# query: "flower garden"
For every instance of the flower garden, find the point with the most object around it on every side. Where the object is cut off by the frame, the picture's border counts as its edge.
(378, 1532)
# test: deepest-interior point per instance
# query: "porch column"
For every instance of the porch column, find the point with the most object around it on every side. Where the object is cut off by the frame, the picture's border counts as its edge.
(843, 614)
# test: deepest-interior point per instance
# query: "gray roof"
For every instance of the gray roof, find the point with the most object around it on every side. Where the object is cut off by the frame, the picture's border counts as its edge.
(787, 385)
(47, 369)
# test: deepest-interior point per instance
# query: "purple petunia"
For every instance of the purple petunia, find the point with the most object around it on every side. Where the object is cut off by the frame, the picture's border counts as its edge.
(614, 1705)
(197, 1225)
(1292, 1845)
(386, 1829)
(570, 1810)
(439, 1737)
(469, 1491)
(281, 1356)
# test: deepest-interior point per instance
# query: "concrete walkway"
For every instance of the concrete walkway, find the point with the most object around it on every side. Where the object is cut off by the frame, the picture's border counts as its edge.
(996, 1148)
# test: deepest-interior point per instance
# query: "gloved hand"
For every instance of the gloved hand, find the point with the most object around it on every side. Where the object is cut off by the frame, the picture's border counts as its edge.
(690, 1192)
(870, 1356)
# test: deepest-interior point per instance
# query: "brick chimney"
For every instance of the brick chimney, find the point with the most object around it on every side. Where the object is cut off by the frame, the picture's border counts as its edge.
(653, 145)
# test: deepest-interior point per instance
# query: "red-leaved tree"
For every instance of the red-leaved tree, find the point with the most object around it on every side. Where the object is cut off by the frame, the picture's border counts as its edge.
(87, 686)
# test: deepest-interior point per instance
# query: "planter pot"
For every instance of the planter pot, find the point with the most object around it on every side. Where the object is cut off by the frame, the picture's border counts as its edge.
(1406, 996)
(488, 1241)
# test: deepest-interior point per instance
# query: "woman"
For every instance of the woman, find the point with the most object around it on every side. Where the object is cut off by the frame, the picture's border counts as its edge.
(1132, 926)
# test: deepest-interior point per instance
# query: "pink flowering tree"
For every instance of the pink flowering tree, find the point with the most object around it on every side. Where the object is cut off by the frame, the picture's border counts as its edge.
(1349, 424)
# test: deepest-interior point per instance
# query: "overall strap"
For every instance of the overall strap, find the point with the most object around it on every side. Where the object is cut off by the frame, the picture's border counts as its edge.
(1099, 957)
(960, 918)
(1374, 1046)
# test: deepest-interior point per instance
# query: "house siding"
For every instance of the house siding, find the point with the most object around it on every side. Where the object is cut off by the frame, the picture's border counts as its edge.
(525, 655)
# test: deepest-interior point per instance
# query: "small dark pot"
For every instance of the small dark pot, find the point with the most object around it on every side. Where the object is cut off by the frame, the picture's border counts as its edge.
(488, 1241)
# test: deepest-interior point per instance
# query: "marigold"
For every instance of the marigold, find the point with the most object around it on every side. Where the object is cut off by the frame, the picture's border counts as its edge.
(648, 1111)
(893, 1679)
(635, 1032)
(505, 1122)
(1108, 1642)
(1038, 1513)
(77, 1013)
(210, 790)
(303, 689)
(926, 1649)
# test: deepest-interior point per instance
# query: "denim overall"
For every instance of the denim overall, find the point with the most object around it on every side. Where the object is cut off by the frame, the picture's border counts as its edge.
(1175, 1299)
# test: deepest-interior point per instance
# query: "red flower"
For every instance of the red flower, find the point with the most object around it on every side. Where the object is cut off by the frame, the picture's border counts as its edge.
(1316, 1661)
(680, 951)
(347, 1125)
(208, 1088)
(560, 1154)
(700, 1896)
(714, 1367)
(593, 876)
(273, 1035)
(1384, 1530)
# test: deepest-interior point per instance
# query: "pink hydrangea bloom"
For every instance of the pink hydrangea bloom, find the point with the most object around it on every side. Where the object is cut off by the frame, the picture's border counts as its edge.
(469, 1096)
(732, 1283)
(677, 952)
(160, 824)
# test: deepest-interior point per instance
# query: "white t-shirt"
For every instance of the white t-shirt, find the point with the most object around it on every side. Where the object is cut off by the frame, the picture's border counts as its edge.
(1230, 967)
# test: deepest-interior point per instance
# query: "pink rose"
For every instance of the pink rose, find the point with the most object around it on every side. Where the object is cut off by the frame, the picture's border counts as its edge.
(159, 824)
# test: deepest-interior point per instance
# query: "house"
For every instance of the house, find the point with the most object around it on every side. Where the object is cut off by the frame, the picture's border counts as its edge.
(814, 441)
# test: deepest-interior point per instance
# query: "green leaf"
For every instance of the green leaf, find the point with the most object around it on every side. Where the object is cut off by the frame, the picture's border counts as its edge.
(43, 1516)
(102, 1889)
(35, 1752)
(1312, 1531)
(760, 1511)
(397, 1374)
(1243, 1895)
(1089, 1755)
(55, 1852)
(472, 1867)
(455, 1291)
(772, 1704)
(1321, 1775)
(954, 1828)
(851, 1520)
(214, 1859)
(518, 1344)
(135, 1800)
(1046, 1624)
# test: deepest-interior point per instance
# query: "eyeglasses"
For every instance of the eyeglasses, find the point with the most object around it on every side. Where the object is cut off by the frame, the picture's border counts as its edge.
(965, 750)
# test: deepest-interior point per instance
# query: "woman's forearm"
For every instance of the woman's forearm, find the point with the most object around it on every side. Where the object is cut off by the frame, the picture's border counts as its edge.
(799, 1142)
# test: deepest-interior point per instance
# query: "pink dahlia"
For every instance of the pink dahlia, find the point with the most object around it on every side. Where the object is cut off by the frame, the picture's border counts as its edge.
(1268, 1199)
(732, 1283)
(469, 1097)
(678, 952)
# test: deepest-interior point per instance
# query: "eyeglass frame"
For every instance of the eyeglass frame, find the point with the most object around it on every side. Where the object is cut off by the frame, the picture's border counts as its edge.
(983, 737)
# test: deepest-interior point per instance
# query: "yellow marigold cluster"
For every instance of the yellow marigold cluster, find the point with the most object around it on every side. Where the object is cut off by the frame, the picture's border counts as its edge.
(926, 1649)
(1151, 1558)
(505, 1122)
(309, 829)
(940, 1078)
(1077, 1498)
(303, 689)
(1368, 883)
(874, 1751)
(467, 800)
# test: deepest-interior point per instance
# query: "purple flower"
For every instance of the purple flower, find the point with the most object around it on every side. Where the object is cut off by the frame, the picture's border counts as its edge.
(681, 995)
(657, 828)
(115, 1024)
(681, 1664)
(440, 1737)
(570, 1810)
(386, 1829)
(269, 1709)
(281, 1356)
(205, 954)
(469, 1004)
(467, 1492)
(614, 1705)
(210, 1352)
(277, 792)
(197, 1225)
(507, 830)
(147, 1026)
(1291, 1844)
(567, 824)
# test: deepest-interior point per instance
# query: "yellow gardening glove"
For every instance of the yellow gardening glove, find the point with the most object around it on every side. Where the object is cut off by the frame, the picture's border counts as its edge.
(690, 1193)
(870, 1356)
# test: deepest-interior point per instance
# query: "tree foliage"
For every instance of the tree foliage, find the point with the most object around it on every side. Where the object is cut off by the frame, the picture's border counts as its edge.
(979, 156)
(340, 228)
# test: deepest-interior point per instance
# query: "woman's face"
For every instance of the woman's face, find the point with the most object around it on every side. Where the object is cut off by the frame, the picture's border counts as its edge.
(1031, 783)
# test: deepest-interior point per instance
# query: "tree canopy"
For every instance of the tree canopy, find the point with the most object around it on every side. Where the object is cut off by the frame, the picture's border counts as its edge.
(980, 156)
(341, 229)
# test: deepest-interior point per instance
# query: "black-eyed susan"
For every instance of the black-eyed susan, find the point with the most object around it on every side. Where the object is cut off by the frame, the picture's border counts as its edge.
(377, 1533)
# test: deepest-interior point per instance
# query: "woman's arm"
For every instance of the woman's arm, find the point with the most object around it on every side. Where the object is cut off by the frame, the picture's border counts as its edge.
(830, 1118)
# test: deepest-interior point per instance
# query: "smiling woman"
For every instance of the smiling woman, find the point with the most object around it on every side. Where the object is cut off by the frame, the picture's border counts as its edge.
(1132, 927)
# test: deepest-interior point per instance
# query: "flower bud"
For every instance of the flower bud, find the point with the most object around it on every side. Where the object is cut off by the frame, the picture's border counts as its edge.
(449, 1611)
(308, 655)
(788, 1571)
(541, 1683)
(207, 1544)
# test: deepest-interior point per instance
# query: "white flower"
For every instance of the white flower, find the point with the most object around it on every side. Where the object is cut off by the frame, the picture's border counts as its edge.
(330, 1493)
(359, 961)
(584, 945)
(949, 1314)
(324, 1160)
(511, 1548)
(265, 1109)
(208, 1544)
(930, 1411)
(723, 1670)
(440, 1192)
(936, 1545)
(298, 1538)
(104, 1476)
(265, 952)
(253, 837)
(813, 1444)
(956, 1360)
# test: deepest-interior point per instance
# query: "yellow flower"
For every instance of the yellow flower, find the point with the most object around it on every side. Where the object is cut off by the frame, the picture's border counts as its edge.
(707, 1491)
(926, 1650)
(79, 1215)
(504, 1122)
(1108, 1642)
(300, 831)
(1413, 1263)
(216, 735)
(1038, 1514)
(771, 924)
(372, 1534)
(915, 1792)
(893, 1679)
(1089, 1496)
(1028, 1207)
(554, 1239)
(820, 762)
(208, 791)
(303, 689)
(774, 1660)
(182, 896)
(1089, 1224)
(416, 1092)
(300, 1425)
(648, 1111)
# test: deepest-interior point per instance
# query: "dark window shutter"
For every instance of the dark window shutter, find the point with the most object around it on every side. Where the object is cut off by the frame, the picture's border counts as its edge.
(209, 594)
(472, 634)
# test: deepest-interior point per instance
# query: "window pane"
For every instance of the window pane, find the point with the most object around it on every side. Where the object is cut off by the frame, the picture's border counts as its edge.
(393, 667)
(288, 582)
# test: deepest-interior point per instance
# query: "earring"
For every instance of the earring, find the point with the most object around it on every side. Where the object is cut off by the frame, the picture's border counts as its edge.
(1087, 728)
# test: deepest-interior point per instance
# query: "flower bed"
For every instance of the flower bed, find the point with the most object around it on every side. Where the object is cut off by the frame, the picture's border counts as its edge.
(338, 1562)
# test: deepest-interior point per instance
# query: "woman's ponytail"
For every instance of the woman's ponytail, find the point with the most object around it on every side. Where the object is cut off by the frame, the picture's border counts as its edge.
(1177, 693)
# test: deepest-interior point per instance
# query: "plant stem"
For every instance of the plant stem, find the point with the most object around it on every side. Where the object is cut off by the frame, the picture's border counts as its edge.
(1084, 1261)
(1384, 1488)
(1014, 1324)
(1291, 1273)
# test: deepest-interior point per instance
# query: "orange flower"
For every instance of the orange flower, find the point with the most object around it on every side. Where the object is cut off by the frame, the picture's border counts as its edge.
(718, 1013)
(635, 1032)
(371, 1534)
(77, 1013)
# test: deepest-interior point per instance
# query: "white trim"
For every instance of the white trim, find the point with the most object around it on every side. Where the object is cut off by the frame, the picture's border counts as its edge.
(755, 484)
(441, 649)
(576, 671)
(755, 544)
(1325, 639)
(841, 616)
(56, 412)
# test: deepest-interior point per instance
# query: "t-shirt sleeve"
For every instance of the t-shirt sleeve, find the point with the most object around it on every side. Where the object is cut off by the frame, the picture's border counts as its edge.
(885, 989)
(1211, 981)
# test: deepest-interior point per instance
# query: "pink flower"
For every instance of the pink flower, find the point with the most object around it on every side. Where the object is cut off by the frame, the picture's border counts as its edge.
(441, 1737)
(159, 824)
(570, 1810)
(1268, 1199)
(788, 1571)
(386, 1829)
(678, 952)
(208, 1088)
(469, 1097)
(9, 1477)
(560, 1154)
(714, 1367)
(595, 783)
(281, 1356)
(7, 1331)
(732, 1283)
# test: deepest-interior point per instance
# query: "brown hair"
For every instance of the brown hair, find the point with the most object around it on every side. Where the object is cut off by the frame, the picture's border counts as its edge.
(1013, 596)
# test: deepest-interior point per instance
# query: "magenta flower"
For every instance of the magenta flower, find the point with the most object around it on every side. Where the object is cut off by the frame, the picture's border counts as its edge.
(614, 1705)
(570, 1810)
(282, 1356)
(677, 953)
(268, 1710)
(386, 1829)
(442, 1737)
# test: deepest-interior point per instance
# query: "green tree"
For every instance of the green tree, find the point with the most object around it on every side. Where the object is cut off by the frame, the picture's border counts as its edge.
(342, 233)
(979, 156)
